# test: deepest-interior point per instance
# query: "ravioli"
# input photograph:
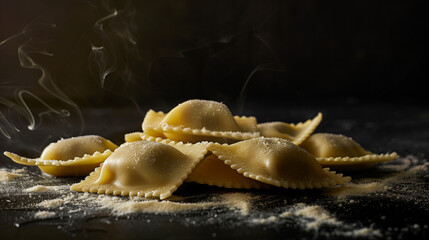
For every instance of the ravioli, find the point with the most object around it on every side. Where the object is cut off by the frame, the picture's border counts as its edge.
(296, 133)
(200, 120)
(341, 152)
(277, 162)
(133, 137)
(211, 170)
(215, 172)
(71, 157)
(144, 169)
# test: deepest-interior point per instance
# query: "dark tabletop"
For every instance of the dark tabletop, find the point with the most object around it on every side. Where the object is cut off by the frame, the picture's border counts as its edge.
(398, 210)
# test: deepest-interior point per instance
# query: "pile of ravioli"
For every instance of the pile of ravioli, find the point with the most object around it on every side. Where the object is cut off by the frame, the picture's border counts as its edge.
(201, 141)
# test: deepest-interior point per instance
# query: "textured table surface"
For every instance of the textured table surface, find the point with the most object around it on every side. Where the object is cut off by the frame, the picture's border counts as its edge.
(389, 201)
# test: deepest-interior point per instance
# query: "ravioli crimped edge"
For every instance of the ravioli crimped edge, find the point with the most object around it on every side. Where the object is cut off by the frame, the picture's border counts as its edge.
(238, 135)
(93, 176)
(313, 124)
(332, 177)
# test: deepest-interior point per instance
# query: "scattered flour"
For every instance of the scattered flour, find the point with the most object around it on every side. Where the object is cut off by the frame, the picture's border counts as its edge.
(308, 217)
(313, 217)
(7, 175)
(237, 201)
(286, 214)
(356, 189)
(400, 164)
(21, 170)
(122, 207)
(411, 172)
(44, 214)
(271, 219)
(38, 188)
(401, 169)
(41, 188)
(52, 203)
(316, 216)
(363, 232)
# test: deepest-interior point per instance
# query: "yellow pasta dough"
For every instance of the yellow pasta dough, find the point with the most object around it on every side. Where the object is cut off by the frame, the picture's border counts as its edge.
(215, 172)
(296, 133)
(201, 141)
(210, 171)
(341, 152)
(70, 157)
(200, 120)
(277, 162)
(133, 137)
(144, 169)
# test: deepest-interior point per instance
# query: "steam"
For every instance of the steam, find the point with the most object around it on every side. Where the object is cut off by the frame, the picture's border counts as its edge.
(114, 49)
(277, 67)
(99, 53)
(26, 30)
(34, 106)
(41, 100)
(6, 126)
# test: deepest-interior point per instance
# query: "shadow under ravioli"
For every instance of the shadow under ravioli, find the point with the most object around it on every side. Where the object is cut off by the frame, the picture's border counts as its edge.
(213, 171)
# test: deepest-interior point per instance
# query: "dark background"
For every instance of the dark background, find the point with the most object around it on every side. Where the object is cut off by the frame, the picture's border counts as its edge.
(209, 49)
(58, 58)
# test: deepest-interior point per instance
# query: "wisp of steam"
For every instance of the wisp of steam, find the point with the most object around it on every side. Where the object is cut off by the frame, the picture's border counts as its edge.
(39, 101)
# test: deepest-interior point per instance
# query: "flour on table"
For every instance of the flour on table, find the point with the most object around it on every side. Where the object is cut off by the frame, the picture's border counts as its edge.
(42, 188)
(401, 169)
(237, 207)
(356, 189)
(52, 203)
(316, 216)
(127, 206)
(363, 232)
(8, 175)
(38, 188)
(240, 202)
(268, 220)
(44, 214)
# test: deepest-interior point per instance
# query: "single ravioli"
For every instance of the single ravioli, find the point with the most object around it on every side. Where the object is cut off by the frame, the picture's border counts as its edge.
(277, 162)
(296, 133)
(200, 120)
(342, 153)
(70, 157)
(144, 169)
